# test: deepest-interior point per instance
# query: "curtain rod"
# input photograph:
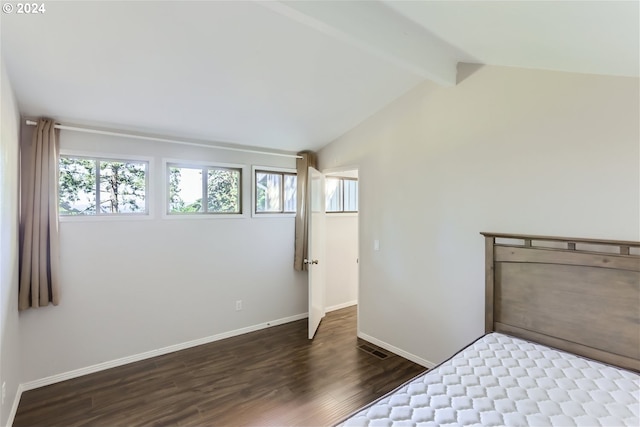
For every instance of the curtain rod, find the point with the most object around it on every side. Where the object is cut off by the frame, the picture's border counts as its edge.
(169, 140)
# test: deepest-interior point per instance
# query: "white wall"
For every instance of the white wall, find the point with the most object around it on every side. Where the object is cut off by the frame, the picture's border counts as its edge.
(506, 150)
(9, 160)
(133, 286)
(342, 256)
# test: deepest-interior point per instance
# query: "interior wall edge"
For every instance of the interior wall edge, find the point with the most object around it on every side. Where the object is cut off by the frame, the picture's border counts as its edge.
(10, 354)
(341, 306)
(409, 356)
(14, 407)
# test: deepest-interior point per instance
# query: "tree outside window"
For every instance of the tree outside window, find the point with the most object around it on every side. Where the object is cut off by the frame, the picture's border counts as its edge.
(90, 186)
(209, 189)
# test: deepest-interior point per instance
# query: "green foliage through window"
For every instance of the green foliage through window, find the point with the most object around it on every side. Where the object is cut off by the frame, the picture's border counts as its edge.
(90, 186)
(194, 189)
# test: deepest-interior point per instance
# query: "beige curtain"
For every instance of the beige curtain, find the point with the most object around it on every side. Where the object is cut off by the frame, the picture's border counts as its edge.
(39, 260)
(308, 158)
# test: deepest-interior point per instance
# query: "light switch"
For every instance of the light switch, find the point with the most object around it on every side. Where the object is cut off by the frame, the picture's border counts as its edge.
(376, 245)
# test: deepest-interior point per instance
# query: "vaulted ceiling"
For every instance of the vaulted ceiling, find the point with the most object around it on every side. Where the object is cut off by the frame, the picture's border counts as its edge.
(286, 75)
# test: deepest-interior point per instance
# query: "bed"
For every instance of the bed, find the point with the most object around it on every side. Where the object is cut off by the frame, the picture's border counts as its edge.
(562, 343)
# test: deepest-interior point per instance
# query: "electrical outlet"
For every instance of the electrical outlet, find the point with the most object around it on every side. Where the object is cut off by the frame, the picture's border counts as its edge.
(239, 305)
(4, 391)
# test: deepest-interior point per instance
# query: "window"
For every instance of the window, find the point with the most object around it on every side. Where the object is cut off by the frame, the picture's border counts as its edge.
(275, 192)
(341, 194)
(93, 186)
(204, 189)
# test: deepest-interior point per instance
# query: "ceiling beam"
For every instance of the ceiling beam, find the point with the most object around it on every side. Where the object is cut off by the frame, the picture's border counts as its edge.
(377, 29)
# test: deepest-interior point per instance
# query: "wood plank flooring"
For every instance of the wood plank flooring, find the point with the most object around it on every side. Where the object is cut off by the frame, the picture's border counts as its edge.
(272, 377)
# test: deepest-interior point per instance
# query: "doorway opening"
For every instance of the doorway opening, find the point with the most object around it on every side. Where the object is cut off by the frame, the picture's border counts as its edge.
(342, 247)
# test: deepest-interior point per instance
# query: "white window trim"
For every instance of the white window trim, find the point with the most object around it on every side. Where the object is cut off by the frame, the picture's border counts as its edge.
(254, 214)
(203, 216)
(149, 190)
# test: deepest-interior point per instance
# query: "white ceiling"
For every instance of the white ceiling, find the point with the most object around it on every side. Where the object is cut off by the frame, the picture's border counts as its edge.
(286, 75)
(596, 37)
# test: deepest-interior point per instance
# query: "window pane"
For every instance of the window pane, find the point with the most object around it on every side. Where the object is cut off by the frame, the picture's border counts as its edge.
(350, 195)
(185, 190)
(290, 191)
(77, 186)
(122, 187)
(268, 188)
(223, 191)
(333, 194)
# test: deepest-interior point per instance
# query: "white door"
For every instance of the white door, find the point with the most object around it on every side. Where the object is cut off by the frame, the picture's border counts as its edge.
(316, 260)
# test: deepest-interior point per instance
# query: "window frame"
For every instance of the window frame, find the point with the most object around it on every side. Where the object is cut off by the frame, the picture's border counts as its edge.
(254, 193)
(204, 166)
(342, 179)
(148, 213)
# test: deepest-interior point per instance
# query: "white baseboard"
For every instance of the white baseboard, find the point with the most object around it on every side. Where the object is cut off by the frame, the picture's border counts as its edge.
(14, 408)
(396, 350)
(339, 306)
(153, 353)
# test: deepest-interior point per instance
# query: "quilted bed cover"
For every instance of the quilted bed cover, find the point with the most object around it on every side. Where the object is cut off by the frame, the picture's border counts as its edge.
(500, 380)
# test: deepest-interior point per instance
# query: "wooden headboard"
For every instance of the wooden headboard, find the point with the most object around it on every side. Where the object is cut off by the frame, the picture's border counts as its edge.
(578, 295)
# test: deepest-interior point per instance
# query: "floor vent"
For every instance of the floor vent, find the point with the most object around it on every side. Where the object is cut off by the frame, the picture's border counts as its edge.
(373, 351)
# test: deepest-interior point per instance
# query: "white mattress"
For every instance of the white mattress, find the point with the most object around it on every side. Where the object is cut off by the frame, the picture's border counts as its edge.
(501, 380)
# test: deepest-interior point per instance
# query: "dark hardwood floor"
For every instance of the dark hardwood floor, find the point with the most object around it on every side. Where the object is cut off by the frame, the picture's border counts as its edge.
(273, 377)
